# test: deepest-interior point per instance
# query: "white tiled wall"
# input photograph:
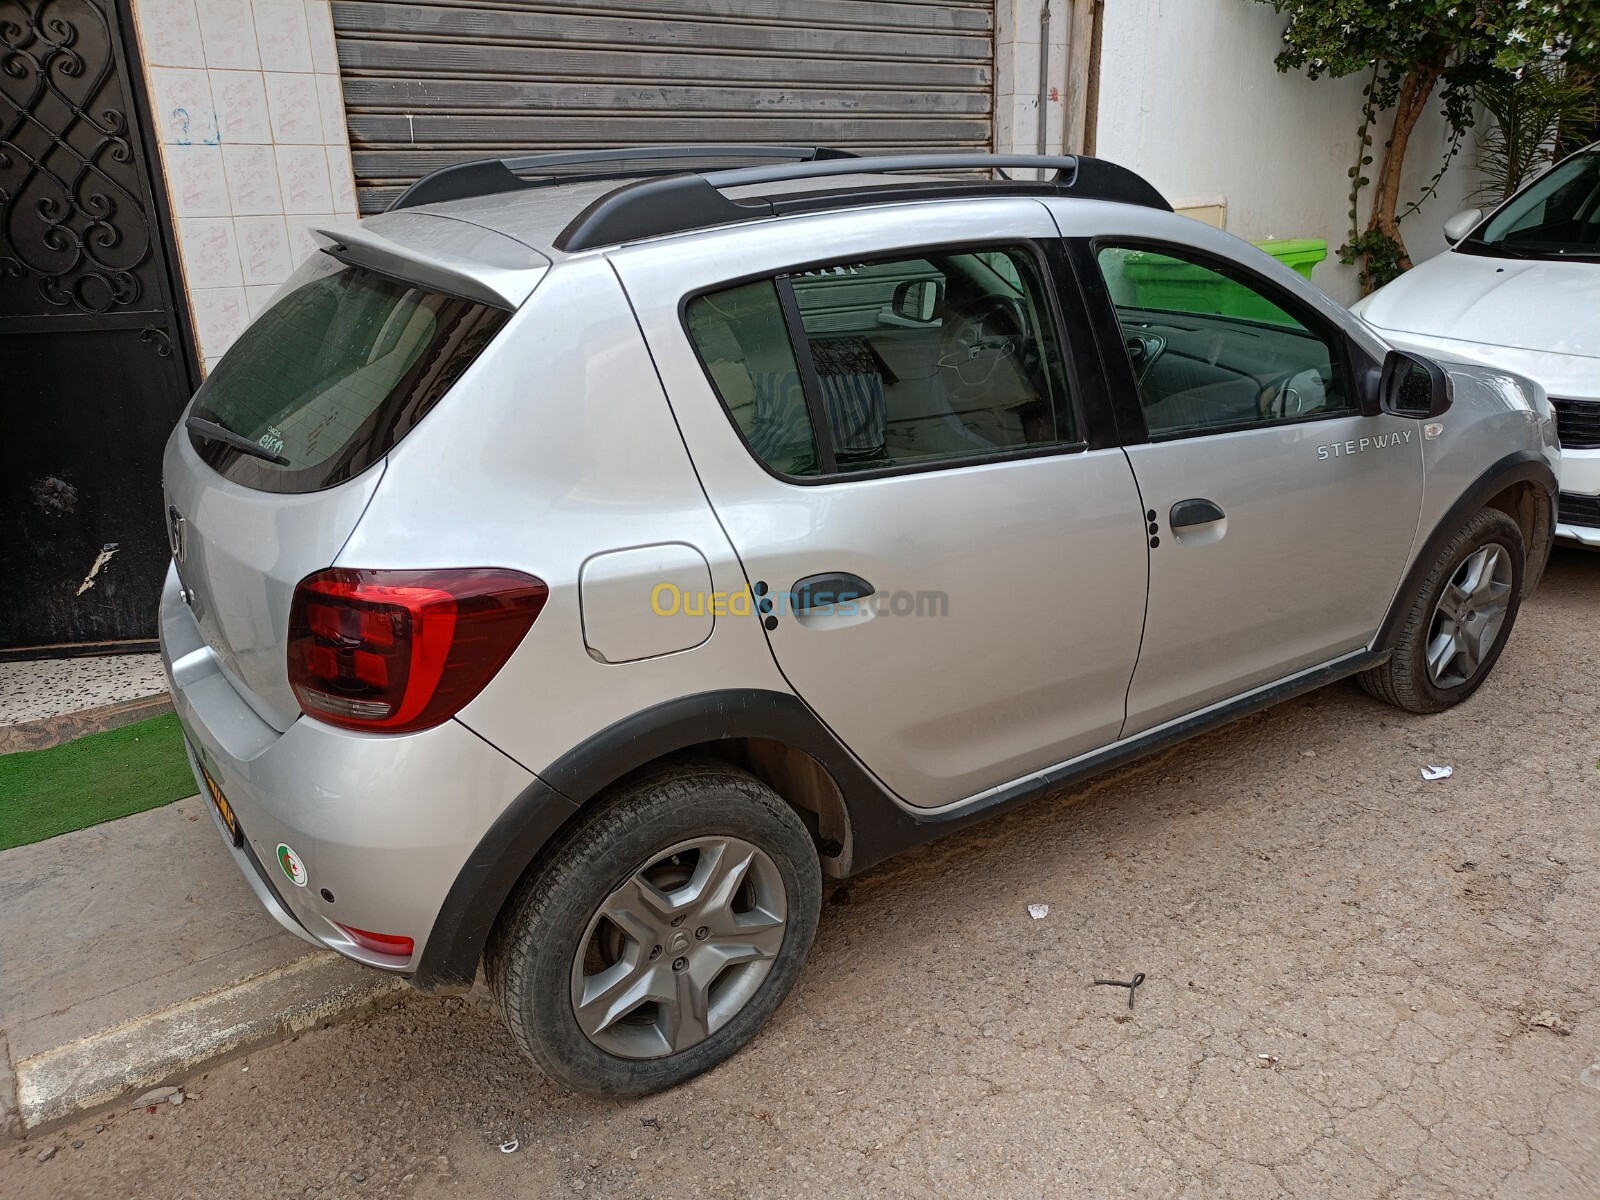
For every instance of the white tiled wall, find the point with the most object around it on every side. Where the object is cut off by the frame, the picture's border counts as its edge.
(253, 145)
(1018, 29)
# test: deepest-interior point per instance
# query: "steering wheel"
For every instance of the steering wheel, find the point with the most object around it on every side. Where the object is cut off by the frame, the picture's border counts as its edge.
(1143, 350)
(976, 338)
(1293, 395)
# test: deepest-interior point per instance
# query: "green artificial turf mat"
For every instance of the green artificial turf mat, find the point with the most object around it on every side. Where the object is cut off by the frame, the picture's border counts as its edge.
(92, 779)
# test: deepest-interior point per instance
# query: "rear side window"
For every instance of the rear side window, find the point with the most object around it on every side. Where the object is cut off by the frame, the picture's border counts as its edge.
(335, 373)
(744, 344)
(889, 364)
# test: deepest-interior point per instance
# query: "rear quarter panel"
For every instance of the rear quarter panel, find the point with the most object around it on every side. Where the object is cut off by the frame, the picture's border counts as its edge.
(562, 449)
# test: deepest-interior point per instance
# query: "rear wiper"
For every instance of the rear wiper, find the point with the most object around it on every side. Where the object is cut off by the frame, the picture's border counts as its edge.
(216, 431)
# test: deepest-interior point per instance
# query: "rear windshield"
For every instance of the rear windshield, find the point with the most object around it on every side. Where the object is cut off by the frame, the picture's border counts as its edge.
(334, 373)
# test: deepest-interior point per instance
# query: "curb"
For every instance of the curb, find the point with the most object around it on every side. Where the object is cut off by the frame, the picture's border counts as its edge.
(10, 1125)
(56, 1085)
(64, 727)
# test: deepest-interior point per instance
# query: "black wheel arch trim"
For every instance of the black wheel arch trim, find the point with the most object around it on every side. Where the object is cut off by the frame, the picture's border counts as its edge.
(450, 958)
(1520, 466)
(880, 824)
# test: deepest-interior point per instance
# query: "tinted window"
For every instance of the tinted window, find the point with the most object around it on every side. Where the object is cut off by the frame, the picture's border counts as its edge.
(1210, 350)
(946, 356)
(336, 372)
(744, 344)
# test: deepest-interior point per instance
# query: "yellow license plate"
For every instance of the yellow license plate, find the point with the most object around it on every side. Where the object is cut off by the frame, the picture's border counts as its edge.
(224, 809)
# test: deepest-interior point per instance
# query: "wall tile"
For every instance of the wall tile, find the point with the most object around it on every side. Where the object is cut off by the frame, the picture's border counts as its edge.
(227, 28)
(296, 115)
(258, 299)
(169, 33)
(263, 250)
(196, 181)
(319, 24)
(330, 99)
(341, 179)
(184, 108)
(241, 104)
(220, 315)
(210, 252)
(303, 177)
(256, 145)
(252, 180)
(281, 35)
(301, 242)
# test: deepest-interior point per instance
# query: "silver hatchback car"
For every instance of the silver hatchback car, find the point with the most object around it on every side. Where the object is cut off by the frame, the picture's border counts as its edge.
(578, 562)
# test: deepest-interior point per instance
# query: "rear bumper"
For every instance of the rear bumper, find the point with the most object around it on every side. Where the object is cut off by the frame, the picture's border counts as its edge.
(382, 824)
(249, 865)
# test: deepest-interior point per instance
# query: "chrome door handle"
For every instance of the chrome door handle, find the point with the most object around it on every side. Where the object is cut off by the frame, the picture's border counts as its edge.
(1194, 512)
(831, 587)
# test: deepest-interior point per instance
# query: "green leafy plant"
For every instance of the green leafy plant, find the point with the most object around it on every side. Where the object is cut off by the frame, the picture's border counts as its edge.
(1381, 257)
(1529, 112)
(1413, 52)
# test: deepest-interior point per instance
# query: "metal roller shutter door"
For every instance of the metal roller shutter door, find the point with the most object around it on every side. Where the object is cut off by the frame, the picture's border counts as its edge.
(429, 84)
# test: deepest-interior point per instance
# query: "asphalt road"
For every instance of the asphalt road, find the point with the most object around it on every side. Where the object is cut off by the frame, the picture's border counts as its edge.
(1358, 984)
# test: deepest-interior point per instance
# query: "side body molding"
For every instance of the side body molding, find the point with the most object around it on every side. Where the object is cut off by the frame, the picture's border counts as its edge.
(880, 825)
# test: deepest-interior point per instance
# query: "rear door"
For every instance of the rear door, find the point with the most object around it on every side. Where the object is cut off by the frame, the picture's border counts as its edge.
(899, 418)
(1284, 516)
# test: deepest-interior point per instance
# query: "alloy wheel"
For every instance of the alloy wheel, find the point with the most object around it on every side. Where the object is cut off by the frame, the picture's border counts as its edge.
(677, 950)
(1469, 615)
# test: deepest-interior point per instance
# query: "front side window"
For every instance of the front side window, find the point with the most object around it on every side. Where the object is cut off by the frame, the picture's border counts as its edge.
(899, 362)
(1211, 351)
(334, 373)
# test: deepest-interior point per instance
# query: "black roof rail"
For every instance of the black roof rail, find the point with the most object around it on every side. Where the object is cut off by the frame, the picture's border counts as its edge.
(677, 203)
(488, 176)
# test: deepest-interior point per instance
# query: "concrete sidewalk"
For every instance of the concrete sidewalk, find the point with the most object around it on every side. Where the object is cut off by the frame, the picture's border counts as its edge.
(132, 952)
(44, 702)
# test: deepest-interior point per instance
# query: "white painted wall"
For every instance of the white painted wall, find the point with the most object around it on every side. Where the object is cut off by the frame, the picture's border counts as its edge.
(1190, 98)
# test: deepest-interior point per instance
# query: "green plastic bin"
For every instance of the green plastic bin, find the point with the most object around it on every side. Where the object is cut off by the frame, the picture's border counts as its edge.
(1164, 283)
(1299, 253)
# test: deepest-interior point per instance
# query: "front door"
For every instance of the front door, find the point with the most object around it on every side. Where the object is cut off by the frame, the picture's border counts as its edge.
(1283, 516)
(901, 427)
(93, 374)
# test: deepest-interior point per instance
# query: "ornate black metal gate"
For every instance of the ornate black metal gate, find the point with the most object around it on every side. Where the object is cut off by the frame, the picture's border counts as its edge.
(94, 367)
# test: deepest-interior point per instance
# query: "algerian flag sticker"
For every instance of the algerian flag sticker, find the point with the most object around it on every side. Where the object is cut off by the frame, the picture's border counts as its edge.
(291, 864)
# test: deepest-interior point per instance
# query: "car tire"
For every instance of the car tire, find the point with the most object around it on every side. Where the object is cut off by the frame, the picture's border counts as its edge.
(1426, 672)
(627, 906)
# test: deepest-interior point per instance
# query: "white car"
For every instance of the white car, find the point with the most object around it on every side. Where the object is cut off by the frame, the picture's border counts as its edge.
(1520, 290)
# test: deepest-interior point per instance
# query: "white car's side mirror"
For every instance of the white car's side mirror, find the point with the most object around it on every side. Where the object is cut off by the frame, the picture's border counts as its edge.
(1458, 226)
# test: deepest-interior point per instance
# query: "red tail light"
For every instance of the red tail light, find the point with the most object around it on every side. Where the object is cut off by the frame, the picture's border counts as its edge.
(396, 651)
